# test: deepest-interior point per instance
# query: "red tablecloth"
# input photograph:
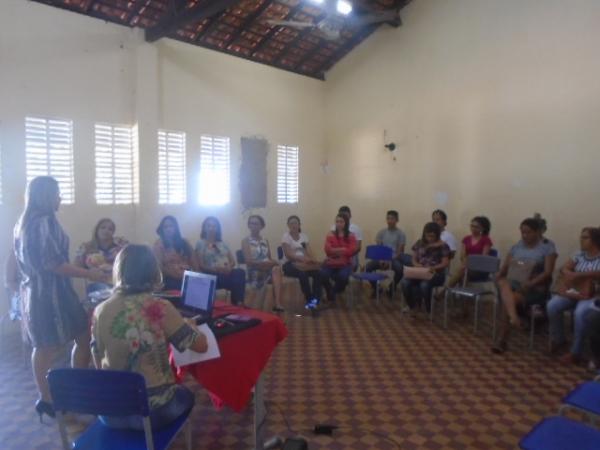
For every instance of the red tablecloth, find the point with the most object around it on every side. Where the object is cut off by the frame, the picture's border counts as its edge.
(230, 378)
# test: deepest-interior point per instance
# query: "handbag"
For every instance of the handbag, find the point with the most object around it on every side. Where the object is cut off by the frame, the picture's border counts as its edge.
(417, 273)
(520, 270)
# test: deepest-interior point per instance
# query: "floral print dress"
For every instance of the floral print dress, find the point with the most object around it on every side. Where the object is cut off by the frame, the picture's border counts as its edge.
(259, 251)
(133, 333)
(52, 312)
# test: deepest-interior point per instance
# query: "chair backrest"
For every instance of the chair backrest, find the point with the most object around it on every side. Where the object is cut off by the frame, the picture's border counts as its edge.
(483, 263)
(99, 392)
(379, 253)
(280, 253)
(239, 256)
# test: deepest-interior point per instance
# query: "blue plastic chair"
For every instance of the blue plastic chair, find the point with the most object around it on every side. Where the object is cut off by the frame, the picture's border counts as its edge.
(375, 253)
(584, 398)
(109, 393)
(560, 433)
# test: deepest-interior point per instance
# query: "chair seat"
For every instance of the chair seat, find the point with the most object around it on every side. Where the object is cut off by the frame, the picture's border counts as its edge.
(586, 396)
(560, 433)
(100, 437)
(370, 276)
(469, 291)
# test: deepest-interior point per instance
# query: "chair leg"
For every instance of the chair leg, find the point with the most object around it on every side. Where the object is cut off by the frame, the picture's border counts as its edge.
(531, 331)
(494, 320)
(188, 434)
(476, 314)
(431, 303)
(446, 309)
(377, 290)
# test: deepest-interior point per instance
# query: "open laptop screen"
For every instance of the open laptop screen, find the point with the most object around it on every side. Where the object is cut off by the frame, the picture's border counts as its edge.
(198, 292)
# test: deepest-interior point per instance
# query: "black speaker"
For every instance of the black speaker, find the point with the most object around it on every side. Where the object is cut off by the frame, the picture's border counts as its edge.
(296, 443)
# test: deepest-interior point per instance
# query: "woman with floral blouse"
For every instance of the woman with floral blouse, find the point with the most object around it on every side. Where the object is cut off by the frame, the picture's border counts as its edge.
(132, 330)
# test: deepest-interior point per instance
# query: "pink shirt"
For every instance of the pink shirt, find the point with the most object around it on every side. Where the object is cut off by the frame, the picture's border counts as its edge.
(476, 248)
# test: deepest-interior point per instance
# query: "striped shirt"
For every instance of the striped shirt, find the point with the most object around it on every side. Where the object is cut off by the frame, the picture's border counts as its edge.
(584, 263)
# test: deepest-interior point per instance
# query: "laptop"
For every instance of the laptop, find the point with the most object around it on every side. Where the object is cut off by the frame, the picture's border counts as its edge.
(198, 292)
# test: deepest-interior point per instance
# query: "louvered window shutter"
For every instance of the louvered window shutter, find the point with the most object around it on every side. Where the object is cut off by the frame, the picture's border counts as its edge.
(171, 167)
(214, 186)
(287, 174)
(49, 151)
(116, 165)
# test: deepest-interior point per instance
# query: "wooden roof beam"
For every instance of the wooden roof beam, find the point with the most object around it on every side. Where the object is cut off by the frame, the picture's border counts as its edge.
(181, 19)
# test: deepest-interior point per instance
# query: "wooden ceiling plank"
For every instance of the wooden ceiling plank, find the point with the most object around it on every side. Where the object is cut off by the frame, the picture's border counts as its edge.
(199, 12)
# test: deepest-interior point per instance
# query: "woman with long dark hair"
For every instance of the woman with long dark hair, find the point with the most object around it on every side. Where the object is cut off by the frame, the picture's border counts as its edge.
(213, 256)
(174, 253)
(100, 252)
(525, 277)
(340, 246)
(52, 312)
(429, 252)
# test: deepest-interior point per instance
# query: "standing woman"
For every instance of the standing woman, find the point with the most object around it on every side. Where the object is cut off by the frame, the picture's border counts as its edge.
(100, 252)
(261, 266)
(300, 262)
(174, 253)
(52, 312)
(213, 256)
(340, 246)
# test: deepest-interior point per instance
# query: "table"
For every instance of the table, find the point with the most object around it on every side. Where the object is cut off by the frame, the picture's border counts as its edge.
(231, 378)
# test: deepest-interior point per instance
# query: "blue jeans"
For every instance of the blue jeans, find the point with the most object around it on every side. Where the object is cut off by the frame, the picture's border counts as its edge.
(555, 308)
(339, 275)
(160, 417)
(412, 288)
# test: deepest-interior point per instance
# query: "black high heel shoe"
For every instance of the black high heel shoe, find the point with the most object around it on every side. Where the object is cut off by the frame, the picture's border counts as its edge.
(42, 407)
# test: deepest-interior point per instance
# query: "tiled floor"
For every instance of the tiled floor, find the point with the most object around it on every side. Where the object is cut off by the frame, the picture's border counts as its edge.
(388, 381)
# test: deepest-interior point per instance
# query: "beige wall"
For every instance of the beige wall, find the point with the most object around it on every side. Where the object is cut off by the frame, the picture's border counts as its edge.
(494, 107)
(83, 69)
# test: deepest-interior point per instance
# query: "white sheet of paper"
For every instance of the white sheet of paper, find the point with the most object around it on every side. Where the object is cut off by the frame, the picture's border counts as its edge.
(191, 357)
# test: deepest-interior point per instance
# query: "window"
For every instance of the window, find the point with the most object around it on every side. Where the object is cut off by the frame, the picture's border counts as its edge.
(49, 151)
(171, 167)
(116, 164)
(214, 170)
(287, 174)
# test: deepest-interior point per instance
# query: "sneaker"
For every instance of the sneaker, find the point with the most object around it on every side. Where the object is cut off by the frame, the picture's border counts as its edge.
(277, 309)
(312, 304)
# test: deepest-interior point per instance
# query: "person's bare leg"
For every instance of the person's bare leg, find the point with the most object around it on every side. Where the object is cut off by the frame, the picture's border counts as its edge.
(81, 354)
(509, 300)
(41, 362)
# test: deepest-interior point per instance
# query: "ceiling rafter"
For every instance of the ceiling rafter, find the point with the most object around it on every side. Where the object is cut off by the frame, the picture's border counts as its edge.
(135, 9)
(291, 13)
(301, 35)
(248, 21)
(195, 14)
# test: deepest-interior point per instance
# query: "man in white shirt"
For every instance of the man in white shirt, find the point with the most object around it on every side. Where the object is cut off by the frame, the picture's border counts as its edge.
(440, 217)
(354, 229)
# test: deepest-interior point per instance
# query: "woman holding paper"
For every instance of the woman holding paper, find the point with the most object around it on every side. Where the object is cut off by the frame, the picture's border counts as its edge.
(132, 331)
(431, 257)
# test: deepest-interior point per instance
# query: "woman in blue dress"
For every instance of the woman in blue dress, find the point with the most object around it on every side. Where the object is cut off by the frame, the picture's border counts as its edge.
(52, 312)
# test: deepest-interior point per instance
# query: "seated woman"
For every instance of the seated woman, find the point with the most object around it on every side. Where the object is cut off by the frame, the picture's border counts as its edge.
(432, 253)
(214, 257)
(100, 252)
(531, 263)
(300, 263)
(174, 253)
(261, 266)
(132, 331)
(340, 246)
(477, 243)
(575, 291)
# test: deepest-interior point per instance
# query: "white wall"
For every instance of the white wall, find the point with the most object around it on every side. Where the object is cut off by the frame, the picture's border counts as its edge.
(494, 104)
(60, 64)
